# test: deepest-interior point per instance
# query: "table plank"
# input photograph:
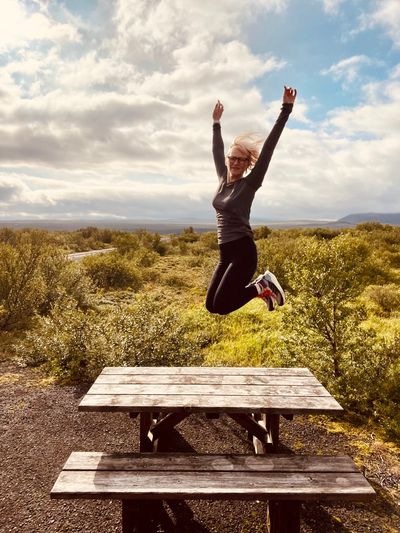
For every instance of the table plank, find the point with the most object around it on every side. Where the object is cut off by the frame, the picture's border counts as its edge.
(221, 390)
(198, 403)
(207, 462)
(204, 379)
(199, 370)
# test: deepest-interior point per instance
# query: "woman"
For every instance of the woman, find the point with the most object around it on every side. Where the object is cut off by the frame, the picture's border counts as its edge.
(229, 287)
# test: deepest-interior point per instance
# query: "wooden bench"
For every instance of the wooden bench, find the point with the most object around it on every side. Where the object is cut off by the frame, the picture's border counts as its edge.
(284, 480)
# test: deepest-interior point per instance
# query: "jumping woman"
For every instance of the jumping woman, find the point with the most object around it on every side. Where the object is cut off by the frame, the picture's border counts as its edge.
(229, 287)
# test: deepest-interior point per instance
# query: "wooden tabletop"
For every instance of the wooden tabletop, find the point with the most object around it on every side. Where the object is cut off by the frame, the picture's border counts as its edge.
(209, 389)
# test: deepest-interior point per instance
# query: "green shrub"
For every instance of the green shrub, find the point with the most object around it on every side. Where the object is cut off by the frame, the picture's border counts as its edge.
(324, 324)
(385, 297)
(262, 232)
(144, 257)
(175, 280)
(112, 271)
(34, 274)
(74, 346)
(276, 254)
(128, 243)
(189, 235)
(208, 240)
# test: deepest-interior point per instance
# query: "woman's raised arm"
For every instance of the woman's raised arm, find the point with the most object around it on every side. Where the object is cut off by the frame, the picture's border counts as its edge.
(218, 143)
(256, 176)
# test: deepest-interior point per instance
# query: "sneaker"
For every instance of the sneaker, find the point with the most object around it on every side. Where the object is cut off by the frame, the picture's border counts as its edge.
(267, 296)
(268, 300)
(269, 281)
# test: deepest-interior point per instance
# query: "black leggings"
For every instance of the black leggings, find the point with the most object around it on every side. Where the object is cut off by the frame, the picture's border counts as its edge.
(227, 291)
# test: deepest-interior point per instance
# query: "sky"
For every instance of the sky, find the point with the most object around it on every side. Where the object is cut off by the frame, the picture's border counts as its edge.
(106, 105)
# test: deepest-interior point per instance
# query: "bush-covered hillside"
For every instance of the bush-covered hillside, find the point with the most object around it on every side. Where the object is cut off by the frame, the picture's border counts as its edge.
(143, 304)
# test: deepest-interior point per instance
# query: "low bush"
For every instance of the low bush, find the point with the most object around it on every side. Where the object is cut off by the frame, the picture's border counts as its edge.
(262, 232)
(209, 240)
(74, 345)
(385, 297)
(175, 280)
(34, 274)
(113, 271)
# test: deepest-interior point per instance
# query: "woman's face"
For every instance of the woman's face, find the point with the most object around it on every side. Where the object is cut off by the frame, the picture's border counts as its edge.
(237, 162)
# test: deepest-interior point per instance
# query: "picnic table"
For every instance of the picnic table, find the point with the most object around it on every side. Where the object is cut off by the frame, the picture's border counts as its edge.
(255, 398)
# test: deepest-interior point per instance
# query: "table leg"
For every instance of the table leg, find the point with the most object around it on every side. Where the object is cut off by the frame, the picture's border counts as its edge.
(263, 430)
(272, 427)
(143, 516)
(146, 420)
(270, 423)
(283, 517)
(260, 446)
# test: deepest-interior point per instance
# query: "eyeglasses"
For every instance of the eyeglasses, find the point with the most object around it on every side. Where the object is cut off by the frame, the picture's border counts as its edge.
(232, 159)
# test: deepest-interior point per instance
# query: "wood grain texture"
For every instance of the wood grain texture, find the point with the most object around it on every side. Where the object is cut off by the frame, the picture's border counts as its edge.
(211, 485)
(199, 370)
(202, 403)
(210, 462)
(217, 389)
(207, 379)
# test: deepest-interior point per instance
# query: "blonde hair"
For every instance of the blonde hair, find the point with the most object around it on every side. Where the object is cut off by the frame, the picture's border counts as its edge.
(250, 143)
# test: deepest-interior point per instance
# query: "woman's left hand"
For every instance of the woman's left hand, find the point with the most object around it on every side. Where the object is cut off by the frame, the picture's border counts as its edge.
(289, 95)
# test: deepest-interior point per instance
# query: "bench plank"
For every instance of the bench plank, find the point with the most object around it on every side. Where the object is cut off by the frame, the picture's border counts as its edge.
(188, 461)
(138, 480)
(211, 485)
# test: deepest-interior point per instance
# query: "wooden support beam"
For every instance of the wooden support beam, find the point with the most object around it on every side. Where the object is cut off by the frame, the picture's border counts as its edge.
(166, 423)
(261, 446)
(253, 427)
(145, 423)
(212, 416)
(272, 427)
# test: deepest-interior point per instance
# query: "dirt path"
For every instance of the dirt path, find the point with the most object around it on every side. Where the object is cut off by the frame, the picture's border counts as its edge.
(40, 426)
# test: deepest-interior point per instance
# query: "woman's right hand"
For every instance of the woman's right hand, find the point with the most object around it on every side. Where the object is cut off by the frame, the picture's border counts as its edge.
(289, 95)
(218, 110)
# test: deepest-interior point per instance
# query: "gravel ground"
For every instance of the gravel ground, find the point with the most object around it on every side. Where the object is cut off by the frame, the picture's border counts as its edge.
(40, 426)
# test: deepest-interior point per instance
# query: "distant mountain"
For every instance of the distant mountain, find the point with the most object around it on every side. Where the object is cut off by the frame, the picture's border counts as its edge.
(165, 227)
(383, 218)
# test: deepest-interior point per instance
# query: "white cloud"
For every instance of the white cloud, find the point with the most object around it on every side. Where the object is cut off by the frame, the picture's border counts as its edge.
(332, 6)
(143, 97)
(118, 116)
(18, 26)
(348, 70)
(385, 14)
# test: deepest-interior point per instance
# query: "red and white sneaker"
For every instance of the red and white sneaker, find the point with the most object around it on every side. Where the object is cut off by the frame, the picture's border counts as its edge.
(269, 286)
(268, 298)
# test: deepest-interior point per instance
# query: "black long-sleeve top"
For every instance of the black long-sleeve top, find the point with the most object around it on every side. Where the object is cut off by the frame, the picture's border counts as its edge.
(233, 201)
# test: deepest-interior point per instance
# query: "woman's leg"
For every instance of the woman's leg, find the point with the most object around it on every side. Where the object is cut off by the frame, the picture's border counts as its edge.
(218, 274)
(228, 291)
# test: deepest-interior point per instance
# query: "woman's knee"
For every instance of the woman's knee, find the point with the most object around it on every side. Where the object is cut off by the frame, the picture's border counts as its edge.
(221, 308)
(210, 308)
(217, 309)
